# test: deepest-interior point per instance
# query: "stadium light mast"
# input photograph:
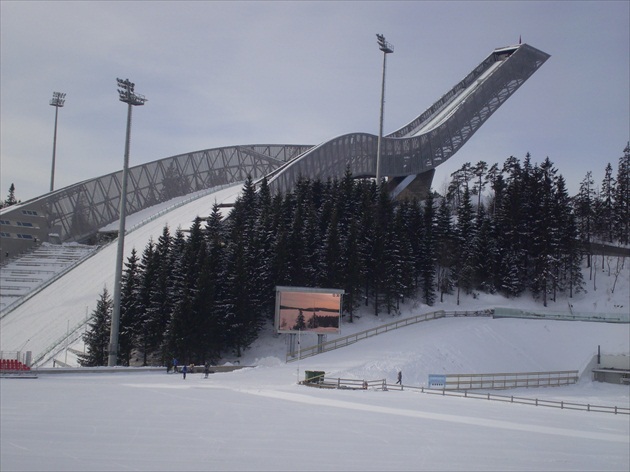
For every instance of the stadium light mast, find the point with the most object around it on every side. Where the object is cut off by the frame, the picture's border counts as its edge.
(127, 95)
(387, 48)
(57, 101)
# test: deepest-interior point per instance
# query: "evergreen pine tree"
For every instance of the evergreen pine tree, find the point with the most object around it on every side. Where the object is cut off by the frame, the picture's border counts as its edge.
(243, 317)
(569, 257)
(512, 230)
(465, 233)
(366, 238)
(147, 272)
(511, 284)
(484, 253)
(129, 309)
(460, 180)
(622, 199)
(314, 271)
(11, 200)
(479, 171)
(494, 177)
(160, 303)
(263, 251)
(212, 285)
(584, 210)
(185, 331)
(604, 212)
(332, 271)
(544, 230)
(401, 251)
(428, 250)
(381, 255)
(351, 271)
(298, 258)
(529, 218)
(445, 250)
(96, 338)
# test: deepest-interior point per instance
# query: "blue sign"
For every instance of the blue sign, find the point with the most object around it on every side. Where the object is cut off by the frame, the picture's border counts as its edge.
(437, 381)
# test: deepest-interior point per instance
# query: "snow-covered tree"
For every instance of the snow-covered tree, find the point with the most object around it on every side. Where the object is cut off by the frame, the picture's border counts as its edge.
(604, 209)
(11, 200)
(129, 308)
(96, 338)
(622, 198)
(160, 300)
(585, 210)
(428, 248)
(445, 248)
(465, 234)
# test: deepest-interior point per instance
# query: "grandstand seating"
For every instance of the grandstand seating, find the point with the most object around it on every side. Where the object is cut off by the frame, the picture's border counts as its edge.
(13, 365)
(26, 273)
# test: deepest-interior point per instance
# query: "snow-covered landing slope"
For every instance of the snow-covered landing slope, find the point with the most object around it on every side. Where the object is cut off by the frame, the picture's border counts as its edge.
(41, 322)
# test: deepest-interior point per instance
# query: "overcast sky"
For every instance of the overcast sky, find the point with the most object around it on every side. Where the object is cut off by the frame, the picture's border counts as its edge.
(229, 73)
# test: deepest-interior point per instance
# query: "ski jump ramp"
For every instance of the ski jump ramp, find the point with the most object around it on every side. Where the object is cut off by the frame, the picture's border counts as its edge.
(410, 154)
(408, 159)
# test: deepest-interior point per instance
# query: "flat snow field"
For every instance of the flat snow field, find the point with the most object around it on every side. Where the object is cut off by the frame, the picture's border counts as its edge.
(260, 418)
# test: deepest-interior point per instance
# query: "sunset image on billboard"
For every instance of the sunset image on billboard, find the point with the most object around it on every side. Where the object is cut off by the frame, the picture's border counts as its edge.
(308, 310)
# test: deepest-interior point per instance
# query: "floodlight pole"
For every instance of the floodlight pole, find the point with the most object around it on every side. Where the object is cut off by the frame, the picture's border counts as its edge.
(126, 95)
(387, 48)
(57, 101)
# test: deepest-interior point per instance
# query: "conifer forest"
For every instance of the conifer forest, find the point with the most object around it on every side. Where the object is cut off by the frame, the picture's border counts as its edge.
(198, 293)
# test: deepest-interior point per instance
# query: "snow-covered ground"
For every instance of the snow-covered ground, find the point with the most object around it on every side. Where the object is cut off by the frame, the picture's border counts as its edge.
(259, 418)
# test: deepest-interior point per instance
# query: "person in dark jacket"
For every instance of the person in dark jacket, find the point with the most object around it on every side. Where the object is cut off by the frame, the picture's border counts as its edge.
(399, 381)
(184, 370)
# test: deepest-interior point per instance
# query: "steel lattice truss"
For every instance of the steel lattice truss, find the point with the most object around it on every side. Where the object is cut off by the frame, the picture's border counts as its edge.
(420, 146)
(80, 210)
(77, 212)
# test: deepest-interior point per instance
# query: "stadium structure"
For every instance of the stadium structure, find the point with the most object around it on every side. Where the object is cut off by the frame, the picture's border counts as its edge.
(409, 158)
(80, 212)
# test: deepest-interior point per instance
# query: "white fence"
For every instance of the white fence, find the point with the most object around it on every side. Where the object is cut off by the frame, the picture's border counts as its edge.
(500, 381)
(520, 400)
(358, 384)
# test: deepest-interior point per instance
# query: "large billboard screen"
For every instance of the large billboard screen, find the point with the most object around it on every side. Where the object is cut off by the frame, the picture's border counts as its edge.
(308, 310)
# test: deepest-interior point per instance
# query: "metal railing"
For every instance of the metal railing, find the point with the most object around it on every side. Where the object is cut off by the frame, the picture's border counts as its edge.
(563, 405)
(347, 384)
(500, 381)
(73, 334)
(358, 384)
(303, 353)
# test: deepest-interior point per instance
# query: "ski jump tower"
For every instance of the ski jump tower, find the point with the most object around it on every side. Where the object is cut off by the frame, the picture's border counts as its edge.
(409, 157)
